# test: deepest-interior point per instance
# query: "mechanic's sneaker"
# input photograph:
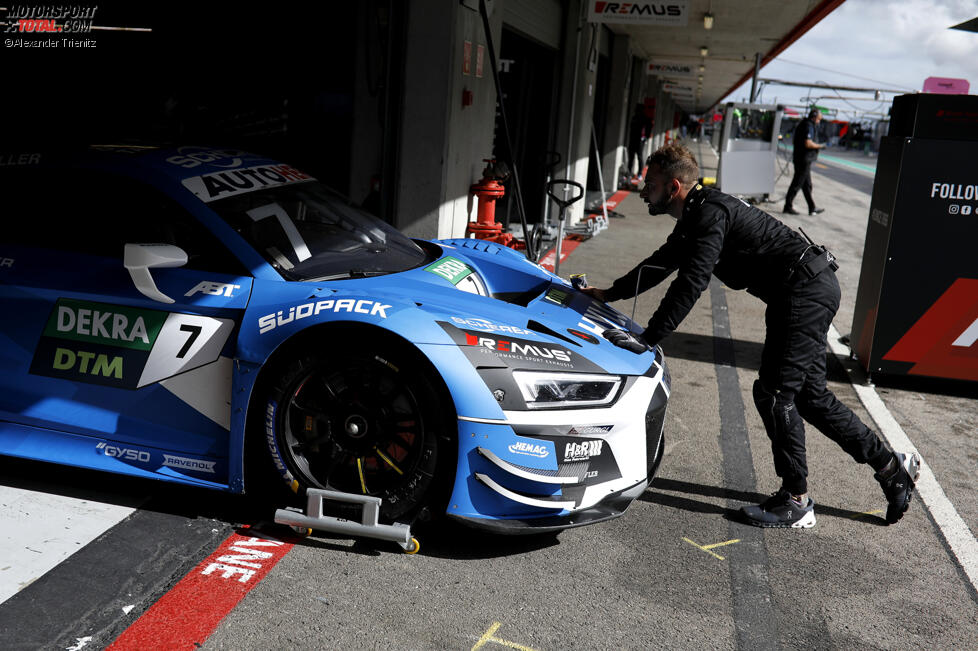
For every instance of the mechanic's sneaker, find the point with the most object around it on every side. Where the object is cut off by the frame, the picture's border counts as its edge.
(781, 510)
(788, 210)
(816, 211)
(898, 483)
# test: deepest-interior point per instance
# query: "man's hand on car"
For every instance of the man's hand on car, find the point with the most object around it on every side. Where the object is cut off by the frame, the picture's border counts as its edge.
(624, 340)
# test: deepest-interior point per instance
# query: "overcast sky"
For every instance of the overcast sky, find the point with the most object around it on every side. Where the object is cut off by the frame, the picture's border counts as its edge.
(895, 43)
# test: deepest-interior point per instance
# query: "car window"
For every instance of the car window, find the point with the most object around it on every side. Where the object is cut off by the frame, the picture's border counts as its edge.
(307, 232)
(97, 214)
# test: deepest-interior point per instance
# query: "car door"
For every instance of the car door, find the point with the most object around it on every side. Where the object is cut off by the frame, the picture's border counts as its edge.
(87, 352)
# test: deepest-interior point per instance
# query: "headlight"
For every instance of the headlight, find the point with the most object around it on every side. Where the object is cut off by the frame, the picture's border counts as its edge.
(548, 390)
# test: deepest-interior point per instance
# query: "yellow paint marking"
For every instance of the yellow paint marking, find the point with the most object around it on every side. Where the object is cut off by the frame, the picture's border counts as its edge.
(822, 165)
(363, 483)
(707, 548)
(387, 461)
(865, 513)
(490, 636)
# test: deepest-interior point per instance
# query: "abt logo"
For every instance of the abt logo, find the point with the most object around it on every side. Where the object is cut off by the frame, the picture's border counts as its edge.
(214, 289)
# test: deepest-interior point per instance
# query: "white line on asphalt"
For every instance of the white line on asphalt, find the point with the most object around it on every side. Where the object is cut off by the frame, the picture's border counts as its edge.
(40, 530)
(959, 538)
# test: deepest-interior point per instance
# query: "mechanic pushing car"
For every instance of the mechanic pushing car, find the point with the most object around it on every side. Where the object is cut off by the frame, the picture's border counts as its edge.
(745, 247)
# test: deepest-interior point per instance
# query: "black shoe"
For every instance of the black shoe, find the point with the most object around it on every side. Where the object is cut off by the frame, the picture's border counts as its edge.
(816, 211)
(898, 484)
(788, 210)
(780, 510)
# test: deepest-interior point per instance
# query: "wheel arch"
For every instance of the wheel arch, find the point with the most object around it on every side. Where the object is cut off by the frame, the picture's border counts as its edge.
(309, 341)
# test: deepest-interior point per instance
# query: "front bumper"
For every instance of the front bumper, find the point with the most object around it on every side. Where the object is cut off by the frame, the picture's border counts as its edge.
(540, 471)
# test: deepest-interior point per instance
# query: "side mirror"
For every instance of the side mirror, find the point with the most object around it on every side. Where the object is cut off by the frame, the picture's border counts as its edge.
(140, 258)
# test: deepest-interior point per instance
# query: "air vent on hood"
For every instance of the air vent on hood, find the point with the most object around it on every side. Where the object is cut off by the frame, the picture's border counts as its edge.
(471, 243)
(536, 326)
(522, 298)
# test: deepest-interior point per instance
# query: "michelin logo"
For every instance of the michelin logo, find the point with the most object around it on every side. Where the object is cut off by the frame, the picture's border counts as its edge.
(530, 449)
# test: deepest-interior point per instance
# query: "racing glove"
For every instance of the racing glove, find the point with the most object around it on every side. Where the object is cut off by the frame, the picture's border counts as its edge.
(626, 340)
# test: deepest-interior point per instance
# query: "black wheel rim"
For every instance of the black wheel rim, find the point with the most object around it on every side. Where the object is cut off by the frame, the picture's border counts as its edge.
(354, 427)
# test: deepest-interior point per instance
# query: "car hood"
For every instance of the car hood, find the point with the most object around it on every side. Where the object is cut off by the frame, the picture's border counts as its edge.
(527, 309)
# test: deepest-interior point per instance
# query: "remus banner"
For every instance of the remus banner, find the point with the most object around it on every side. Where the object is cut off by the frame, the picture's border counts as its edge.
(673, 13)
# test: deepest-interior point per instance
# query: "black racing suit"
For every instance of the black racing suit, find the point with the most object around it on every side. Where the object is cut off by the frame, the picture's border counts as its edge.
(803, 157)
(746, 248)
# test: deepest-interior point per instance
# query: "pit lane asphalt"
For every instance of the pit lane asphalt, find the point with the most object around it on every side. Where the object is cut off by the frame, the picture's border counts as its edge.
(666, 574)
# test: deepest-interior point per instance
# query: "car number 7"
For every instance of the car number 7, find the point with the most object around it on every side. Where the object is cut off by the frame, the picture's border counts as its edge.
(194, 331)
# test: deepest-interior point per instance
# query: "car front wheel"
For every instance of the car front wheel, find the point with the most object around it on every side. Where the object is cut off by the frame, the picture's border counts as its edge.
(368, 424)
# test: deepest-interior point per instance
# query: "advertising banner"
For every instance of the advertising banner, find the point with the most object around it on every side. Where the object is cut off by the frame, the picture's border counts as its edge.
(671, 13)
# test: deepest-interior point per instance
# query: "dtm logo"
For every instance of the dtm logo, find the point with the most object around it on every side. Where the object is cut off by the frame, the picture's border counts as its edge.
(582, 451)
(214, 289)
(530, 449)
(126, 454)
(525, 349)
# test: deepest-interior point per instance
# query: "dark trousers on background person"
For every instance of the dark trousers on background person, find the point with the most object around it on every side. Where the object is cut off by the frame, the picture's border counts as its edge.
(792, 383)
(801, 180)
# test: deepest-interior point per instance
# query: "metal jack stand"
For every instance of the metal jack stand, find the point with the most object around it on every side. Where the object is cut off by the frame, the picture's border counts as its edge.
(368, 526)
(563, 203)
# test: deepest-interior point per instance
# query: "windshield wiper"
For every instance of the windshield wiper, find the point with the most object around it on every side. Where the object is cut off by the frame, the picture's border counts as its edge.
(352, 273)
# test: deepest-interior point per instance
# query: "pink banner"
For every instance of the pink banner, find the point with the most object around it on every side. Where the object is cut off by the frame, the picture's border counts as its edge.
(946, 86)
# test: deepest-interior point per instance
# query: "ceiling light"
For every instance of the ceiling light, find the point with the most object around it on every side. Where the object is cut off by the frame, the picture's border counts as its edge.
(704, 51)
(708, 21)
(702, 68)
(700, 78)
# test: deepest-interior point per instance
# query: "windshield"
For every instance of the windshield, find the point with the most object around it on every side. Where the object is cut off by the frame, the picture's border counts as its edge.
(307, 232)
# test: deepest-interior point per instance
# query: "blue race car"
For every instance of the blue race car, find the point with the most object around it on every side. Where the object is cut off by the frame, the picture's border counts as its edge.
(208, 316)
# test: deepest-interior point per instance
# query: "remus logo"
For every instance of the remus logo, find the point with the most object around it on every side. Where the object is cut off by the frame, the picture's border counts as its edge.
(518, 348)
(639, 8)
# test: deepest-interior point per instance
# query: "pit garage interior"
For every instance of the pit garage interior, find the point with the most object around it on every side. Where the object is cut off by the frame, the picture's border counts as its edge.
(394, 103)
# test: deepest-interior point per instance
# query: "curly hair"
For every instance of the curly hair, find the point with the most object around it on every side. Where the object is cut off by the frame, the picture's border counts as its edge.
(676, 162)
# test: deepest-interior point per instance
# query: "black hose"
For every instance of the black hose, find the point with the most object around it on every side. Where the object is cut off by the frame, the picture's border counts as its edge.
(530, 253)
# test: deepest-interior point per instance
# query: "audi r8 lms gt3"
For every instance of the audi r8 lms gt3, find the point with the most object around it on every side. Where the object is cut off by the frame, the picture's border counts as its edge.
(207, 316)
